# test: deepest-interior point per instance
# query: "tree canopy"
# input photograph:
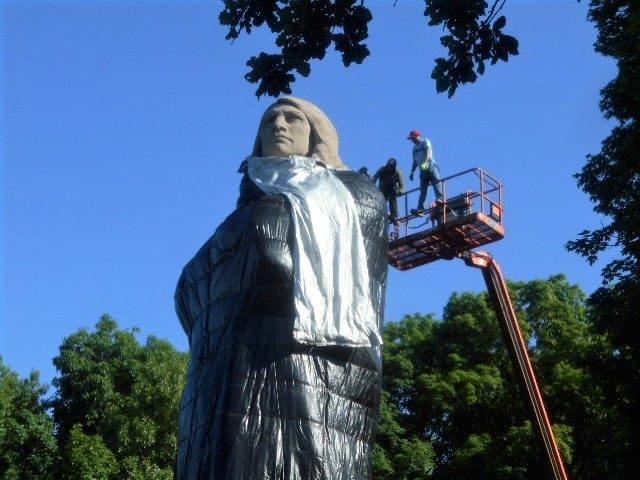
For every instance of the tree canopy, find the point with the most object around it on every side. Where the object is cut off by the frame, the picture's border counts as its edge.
(451, 404)
(115, 406)
(27, 444)
(305, 29)
(611, 178)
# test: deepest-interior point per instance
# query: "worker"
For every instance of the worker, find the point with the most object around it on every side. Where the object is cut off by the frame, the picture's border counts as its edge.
(391, 184)
(429, 171)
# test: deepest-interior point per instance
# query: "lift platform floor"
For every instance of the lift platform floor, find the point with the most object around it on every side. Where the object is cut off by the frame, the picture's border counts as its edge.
(447, 241)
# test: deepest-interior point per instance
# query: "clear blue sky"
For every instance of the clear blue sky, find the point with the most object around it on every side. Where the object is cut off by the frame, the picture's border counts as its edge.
(124, 123)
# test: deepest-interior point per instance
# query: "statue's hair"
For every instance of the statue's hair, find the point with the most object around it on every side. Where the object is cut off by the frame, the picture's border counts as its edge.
(324, 138)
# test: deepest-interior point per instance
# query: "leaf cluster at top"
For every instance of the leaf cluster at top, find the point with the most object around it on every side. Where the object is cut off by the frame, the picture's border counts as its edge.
(305, 29)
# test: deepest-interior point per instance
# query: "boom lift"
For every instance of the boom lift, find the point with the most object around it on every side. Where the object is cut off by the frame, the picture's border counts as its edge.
(451, 228)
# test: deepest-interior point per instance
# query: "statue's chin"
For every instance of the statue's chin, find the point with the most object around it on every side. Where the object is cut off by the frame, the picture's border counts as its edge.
(282, 153)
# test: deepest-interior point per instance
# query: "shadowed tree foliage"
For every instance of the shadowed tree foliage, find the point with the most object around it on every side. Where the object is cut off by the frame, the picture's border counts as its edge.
(305, 29)
(116, 404)
(611, 178)
(27, 445)
(452, 408)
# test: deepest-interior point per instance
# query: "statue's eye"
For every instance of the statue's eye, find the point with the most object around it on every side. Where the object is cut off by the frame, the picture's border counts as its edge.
(292, 118)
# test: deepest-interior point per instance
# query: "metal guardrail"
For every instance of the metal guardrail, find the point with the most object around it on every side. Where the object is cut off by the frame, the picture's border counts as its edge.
(483, 195)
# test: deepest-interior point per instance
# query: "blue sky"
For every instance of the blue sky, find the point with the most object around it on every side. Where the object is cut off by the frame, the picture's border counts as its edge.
(124, 123)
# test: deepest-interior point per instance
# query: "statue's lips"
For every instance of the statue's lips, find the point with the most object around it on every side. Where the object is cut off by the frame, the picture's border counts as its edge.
(281, 139)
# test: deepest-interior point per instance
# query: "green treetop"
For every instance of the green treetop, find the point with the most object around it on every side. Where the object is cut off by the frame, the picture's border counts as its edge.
(116, 404)
(27, 445)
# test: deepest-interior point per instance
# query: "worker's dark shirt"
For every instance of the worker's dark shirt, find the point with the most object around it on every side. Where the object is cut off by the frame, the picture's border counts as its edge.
(390, 180)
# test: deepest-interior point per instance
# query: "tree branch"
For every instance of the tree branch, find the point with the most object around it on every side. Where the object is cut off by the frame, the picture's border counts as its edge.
(493, 12)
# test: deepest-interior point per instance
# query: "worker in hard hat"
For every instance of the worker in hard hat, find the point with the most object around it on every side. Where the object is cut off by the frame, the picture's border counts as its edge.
(391, 184)
(429, 172)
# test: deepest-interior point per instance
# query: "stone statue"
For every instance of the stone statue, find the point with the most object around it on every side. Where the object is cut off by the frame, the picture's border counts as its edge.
(282, 307)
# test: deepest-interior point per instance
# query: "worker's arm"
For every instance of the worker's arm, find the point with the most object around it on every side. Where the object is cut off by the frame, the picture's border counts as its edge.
(376, 176)
(413, 166)
(400, 182)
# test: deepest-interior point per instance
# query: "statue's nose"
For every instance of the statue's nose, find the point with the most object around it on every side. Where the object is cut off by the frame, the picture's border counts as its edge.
(279, 123)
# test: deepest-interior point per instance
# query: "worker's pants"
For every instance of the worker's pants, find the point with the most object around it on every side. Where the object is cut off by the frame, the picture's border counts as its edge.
(429, 177)
(392, 197)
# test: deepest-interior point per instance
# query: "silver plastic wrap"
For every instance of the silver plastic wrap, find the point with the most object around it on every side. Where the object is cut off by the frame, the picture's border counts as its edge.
(330, 272)
(258, 404)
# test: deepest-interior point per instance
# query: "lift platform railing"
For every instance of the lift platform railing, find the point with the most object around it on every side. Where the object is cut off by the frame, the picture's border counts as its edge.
(471, 191)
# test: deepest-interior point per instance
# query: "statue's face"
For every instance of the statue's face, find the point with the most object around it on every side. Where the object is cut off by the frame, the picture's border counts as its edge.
(284, 131)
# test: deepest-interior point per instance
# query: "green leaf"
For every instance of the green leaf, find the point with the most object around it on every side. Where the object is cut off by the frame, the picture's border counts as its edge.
(499, 24)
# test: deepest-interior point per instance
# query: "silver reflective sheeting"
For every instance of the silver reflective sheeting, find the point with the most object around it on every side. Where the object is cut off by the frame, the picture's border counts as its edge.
(331, 279)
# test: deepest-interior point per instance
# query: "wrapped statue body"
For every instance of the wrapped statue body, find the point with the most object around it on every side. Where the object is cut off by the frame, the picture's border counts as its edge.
(283, 307)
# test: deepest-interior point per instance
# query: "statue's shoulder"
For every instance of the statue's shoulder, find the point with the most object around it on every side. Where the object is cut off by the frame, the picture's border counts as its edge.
(248, 227)
(226, 236)
(362, 188)
(266, 215)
